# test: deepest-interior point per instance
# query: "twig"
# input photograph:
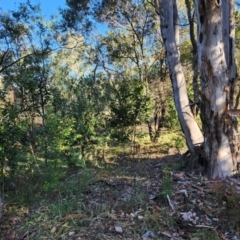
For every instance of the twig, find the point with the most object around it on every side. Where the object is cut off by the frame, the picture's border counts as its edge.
(204, 226)
(166, 234)
(170, 202)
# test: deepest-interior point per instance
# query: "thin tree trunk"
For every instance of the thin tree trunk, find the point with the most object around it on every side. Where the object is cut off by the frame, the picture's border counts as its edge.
(216, 61)
(194, 59)
(167, 10)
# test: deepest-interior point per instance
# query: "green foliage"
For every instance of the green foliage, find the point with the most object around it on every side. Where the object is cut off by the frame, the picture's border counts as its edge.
(61, 132)
(68, 199)
(135, 201)
(179, 142)
(186, 51)
(12, 134)
(237, 30)
(207, 234)
(52, 180)
(171, 117)
(73, 96)
(166, 182)
(130, 108)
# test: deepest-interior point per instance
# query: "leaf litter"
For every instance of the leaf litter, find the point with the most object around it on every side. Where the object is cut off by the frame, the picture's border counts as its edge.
(136, 199)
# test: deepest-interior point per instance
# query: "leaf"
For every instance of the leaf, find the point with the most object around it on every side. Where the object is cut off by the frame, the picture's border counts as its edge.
(53, 230)
(71, 234)
(118, 229)
(148, 234)
(74, 216)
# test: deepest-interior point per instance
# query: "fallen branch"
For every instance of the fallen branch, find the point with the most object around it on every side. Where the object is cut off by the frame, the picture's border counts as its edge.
(170, 203)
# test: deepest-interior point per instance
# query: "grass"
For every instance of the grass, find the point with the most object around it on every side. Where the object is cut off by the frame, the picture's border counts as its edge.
(131, 202)
(205, 234)
(228, 198)
(61, 203)
(166, 182)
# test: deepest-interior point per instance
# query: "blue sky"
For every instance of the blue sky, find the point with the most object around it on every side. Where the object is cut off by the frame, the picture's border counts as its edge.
(48, 6)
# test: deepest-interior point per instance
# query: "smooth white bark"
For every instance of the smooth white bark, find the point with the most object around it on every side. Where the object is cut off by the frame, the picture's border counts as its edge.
(170, 34)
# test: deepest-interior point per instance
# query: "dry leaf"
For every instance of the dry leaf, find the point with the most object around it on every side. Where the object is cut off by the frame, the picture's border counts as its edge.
(53, 230)
(78, 215)
(71, 234)
(118, 229)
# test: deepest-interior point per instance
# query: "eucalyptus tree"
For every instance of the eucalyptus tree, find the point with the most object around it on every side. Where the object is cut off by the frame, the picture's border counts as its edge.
(26, 43)
(21, 62)
(123, 52)
(24, 32)
(216, 59)
(167, 11)
(216, 50)
(79, 92)
(133, 31)
(131, 50)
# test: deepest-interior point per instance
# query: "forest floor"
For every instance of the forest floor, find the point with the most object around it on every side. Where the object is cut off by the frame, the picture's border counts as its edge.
(148, 195)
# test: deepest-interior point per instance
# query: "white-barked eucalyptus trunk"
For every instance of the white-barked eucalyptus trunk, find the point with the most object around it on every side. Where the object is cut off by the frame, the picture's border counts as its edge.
(169, 22)
(216, 59)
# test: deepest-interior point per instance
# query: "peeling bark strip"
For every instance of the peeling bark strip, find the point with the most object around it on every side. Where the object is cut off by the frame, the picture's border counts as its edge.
(216, 61)
(170, 35)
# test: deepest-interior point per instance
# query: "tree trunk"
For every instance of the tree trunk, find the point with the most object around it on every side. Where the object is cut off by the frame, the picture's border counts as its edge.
(216, 60)
(194, 59)
(167, 10)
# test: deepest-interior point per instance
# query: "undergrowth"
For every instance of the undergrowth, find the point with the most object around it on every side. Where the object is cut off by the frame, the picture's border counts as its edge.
(227, 195)
(56, 202)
